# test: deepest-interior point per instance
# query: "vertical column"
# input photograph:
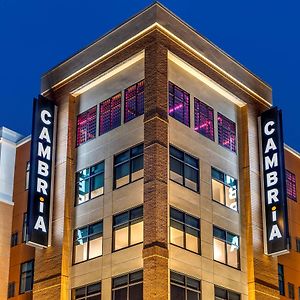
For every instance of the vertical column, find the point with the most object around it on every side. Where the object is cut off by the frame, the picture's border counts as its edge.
(155, 253)
(262, 269)
(51, 269)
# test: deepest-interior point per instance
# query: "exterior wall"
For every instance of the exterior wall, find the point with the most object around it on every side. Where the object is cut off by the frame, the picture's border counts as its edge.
(20, 253)
(291, 261)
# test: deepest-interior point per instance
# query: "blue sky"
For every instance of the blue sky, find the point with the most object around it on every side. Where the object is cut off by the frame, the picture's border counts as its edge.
(37, 35)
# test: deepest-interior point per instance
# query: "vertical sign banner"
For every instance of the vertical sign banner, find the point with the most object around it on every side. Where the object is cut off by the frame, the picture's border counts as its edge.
(39, 210)
(273, 183)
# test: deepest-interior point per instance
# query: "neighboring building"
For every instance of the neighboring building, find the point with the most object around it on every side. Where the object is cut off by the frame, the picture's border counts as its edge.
(157, 176)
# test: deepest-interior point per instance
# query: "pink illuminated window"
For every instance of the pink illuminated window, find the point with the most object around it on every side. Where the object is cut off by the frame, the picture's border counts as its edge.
(204, 119)
(179, 104)
(110, 114)
(291, 185)
(134, 101)
(86, 126)
(226, 133)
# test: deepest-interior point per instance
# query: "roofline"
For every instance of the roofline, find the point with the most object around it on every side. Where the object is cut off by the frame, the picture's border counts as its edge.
(292, 150)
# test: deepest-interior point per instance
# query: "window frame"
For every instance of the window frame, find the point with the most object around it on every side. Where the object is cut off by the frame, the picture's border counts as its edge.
(185, 225)
(128, 283)
(227, 291)
(11, 291)
(185, 285)
(32, 276)
(171, 94)
(24, 227)
(88, 125)
(226, 252)
(185, 164)
(281, 279)
(291, 182)
(110, 99)
(90, 182)
(291, 290)
(27, 175)
(14, 239)
(224, 189)
(127, 224)
(131, 158)
(229, 131)
(88, 242)
(297, 244)
(136, 102)
(86, 296)
(209, 108)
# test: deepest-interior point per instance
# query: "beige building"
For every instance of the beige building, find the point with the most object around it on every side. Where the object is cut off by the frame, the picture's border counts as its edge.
(157, 177)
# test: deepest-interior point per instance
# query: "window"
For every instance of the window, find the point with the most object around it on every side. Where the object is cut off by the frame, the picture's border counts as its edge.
(223, 294)
(86, 126)
(226, 248)
(14, 239)
(291, 185)
(11, 290)
(184, 169)
(179, 104)
(89, 292)
(281, 279)
(297, 244)
(24, 228)
(184, 287)
(184, 230)
(89, 183)
(110, 113)
(26, 277)
(134, 101)
(27, 175)
(88, 242)
(128, 228)
(224, 189)
(226, 133)
(291, 289)
(129, 166)
(204, 119)
(128, 287)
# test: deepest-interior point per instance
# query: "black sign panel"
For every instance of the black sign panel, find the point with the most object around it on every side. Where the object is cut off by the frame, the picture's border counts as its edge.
(41, 173)
(273, 183)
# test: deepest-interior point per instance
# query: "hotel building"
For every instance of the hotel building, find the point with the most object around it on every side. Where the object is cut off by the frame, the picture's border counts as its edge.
(157, 177)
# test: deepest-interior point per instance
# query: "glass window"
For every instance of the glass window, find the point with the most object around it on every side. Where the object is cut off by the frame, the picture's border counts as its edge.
(179, 104)
(86, 126)
(11, 290)
(224, 189)
(110, 113)
(128, 287)
(291, 289)
(89, 183)
(14, 239)
(26, 277)
(184, 230)
(87, 242)
(129, 166)
(226, 247)
(184, 169)
(184, 287)
(128, 228)
(291, 185)
(134, 101)
(27, 175)
(24, 228)
(223, 294)
(298, 244)
(204, 119)
(226, 133)
(88, 292)
(281, 279)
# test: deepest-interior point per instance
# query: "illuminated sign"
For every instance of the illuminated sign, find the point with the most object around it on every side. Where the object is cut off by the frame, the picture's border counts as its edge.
(273, 184)
(39, 211)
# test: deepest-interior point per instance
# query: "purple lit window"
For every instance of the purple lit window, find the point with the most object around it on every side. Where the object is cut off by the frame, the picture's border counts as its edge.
(227, 133)
(86, 126)
(134, 101)
(291, 185)
(179, 104)
(110, 114)
(204, 119)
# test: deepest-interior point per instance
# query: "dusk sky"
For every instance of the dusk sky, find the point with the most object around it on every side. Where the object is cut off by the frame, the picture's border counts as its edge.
(37, 35)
